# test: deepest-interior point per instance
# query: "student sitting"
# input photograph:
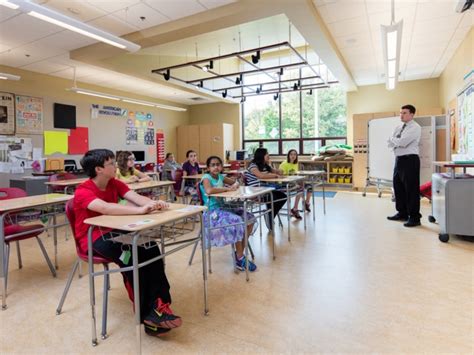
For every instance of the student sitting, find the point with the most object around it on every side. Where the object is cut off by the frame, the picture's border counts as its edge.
(98, 196)
(191, 167)
(170, 165)
(214, 182)
(126, 170)
(290, 167)
(259, 169)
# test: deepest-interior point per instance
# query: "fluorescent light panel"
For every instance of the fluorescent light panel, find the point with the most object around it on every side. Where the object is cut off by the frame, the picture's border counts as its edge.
(125, 99)
(9, 4)
(6, 76)
(56, 18)
(391, 43)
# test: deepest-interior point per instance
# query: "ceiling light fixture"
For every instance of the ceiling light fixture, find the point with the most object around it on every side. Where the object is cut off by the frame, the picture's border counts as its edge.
(124, 99)
(167, 75)
(239, 80)
(209, 66)
(391, 44)
(275, 97)
(5, 76)
(256, 58)
(224, 94)
(56, 18)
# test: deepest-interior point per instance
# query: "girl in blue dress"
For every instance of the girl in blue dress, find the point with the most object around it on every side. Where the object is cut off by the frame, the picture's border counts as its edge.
(214, 182)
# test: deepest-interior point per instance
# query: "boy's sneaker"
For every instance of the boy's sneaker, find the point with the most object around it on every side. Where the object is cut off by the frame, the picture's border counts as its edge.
(240, 264)
(155, 331)
(162, 317)
(295, 213)
(307, 207)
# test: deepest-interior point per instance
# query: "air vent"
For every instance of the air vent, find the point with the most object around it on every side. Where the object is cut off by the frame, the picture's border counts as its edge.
(197, 98)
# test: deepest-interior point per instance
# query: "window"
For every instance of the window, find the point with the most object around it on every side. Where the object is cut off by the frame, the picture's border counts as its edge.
(307, 120)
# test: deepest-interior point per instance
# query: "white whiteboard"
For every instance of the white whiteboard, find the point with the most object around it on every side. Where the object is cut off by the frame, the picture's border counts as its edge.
(381, 159)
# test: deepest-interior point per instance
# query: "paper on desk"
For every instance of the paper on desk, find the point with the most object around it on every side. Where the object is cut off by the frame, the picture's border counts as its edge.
(138, 223)
(187, 209)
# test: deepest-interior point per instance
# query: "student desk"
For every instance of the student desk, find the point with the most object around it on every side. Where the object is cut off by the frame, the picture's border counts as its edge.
(153, 174)
(66, 184)
(152, 185)
(290, 183)
(246, 193)
(135, 226)
(22, 204)
(314, 178)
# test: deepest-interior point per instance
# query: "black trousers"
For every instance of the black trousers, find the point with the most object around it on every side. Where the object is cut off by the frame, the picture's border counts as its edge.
(153, 281)
(406, 183)
(277, 205)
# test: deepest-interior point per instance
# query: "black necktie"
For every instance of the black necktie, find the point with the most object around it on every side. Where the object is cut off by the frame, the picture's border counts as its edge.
(403, 127)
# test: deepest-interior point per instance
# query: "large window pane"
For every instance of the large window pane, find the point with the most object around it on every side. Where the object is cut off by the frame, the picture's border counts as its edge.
(287, 145)
(310, 115)
(261, 119)
(335, 141)
(311, 147)
(332, 112)
(290, 115)
(251, 147)
(272, 147)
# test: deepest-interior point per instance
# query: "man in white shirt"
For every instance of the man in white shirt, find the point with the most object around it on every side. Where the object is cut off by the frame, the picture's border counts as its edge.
(405, 142)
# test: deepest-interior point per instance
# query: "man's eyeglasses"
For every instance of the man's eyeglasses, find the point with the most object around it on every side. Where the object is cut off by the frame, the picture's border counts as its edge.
(131, 158)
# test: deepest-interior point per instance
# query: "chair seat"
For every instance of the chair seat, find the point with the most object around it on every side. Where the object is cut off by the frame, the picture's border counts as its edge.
(12, 229)
(95, 259)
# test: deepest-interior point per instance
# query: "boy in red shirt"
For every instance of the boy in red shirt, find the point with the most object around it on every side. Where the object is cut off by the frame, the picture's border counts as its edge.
(100, 195)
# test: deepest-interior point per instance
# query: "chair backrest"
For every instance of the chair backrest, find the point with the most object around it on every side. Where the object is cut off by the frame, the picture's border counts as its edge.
(7, 193)
(177, 177)
(62, 176)
(149, 167)
(138, 166)
(71, 217)
(235, 165)
(199, 193)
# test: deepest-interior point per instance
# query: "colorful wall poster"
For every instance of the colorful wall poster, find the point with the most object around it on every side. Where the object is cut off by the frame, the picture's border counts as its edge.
(78, 140)
(29, 114)
(55, 142)
(7, 113)
(466, 122)
(102, 111)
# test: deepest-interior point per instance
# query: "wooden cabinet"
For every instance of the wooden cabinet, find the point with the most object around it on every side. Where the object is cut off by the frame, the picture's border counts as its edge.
(206, 140)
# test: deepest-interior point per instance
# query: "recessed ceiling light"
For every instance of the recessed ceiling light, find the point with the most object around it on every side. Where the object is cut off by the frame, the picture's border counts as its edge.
(73, 11)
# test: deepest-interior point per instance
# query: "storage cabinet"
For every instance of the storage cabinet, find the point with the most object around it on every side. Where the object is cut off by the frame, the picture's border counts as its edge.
(206, 140)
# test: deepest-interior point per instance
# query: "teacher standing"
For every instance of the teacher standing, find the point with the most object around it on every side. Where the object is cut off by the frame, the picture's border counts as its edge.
(405, 142)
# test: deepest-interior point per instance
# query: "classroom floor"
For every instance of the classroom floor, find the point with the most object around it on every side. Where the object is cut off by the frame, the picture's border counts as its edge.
(353, 282)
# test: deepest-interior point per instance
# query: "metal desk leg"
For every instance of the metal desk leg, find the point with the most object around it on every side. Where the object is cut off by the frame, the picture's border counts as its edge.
(288, 215)
(91, 284)
(273, 229)
(136, 293)
(324, 198)
(55, 239)
(304, 204)
(246, 241)
(204, 263)
(313, 187)
(2, 263)
(208, 224)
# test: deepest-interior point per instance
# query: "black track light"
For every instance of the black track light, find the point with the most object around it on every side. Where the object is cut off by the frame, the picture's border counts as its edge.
(242, 100)
(256, 57)
(281, 71)
(224, 94)
(200, 84)
(211, 64)
(310, 92)
(167, 75)
(275, 97)
(239, 79)
(259, 89)
(295, 86)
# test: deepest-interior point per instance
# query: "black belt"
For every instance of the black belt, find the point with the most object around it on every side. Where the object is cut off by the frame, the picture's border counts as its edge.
(407, 156)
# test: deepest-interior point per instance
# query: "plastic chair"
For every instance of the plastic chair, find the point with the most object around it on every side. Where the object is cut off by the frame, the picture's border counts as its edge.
(82, 256)
(149, 167)
(234, 165)
(60, 177)
(15, 232)
(177, 177)
(138, 166)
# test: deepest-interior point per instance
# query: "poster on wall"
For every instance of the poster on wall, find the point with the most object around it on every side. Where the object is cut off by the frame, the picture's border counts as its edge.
(137, 127)
(150, 136)
(131, 136)
(466, 122)
(29, 114)
(102, 111)
(7, 113)
(160, 146)
(16, 154)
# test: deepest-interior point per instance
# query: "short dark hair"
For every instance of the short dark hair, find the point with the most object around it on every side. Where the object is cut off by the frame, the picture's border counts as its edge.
(288, 156)
(208, 161)
(410, 108)
(94, 158)
(189, 152)
(168, 155)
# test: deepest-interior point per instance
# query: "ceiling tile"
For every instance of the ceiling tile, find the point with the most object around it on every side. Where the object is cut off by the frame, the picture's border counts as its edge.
(349, 27)
(66, 40)
(176, 9)
(210, 4)
(376, 7)
(77, 9)
(6, 13)
(28, 54)
(45, 67)
(24, 29)
(133, 15)
(343, 10)
(110, 6)
(435, 9)
(114, 25)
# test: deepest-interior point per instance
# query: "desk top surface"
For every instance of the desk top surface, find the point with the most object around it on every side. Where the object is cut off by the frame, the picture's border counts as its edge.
(70, 182)
(244, 192)
(284, 179)
(32, 201)
(311, 172)
(133, 223)
(193, 177)
(451, 164)
(149, 184)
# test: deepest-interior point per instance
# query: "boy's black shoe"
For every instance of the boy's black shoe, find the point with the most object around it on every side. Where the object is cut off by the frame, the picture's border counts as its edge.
(162, 317)
(412, 223)
(397, 217)
(268, 221)
(155, 331)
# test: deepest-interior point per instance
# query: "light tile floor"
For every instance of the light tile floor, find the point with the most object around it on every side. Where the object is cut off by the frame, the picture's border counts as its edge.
(353, 282)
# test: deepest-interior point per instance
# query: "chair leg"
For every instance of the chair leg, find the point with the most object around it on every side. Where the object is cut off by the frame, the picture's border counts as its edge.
(194, 251)
(6, 260)
(279, 221)
(18, 252)
(105, 302)
(50, 264)
(234, 258)
(68, 285)
(251, 251)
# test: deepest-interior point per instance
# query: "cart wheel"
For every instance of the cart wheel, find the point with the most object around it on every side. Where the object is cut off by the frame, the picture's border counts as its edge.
(431, 219)
(380, 194)
(444, 237)
(363, 194)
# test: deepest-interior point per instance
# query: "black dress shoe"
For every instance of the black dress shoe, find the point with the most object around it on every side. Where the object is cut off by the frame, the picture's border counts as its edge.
(397, 217)
(412, 223)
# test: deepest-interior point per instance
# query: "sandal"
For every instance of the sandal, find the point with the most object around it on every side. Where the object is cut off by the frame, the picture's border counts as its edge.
(306, 207)
(295, 213)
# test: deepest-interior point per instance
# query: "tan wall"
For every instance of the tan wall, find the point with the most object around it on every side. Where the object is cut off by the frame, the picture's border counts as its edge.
(423, 94)
(103, 133)
(451, 79)
(218, 113)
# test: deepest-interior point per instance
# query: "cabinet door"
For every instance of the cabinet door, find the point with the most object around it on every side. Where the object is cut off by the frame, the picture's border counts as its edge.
(193, 138)
(217, 140)
(182, 138)
(205, 142)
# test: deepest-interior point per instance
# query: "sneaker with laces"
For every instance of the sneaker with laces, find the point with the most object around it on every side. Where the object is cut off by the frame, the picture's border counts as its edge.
(295, 213)
(155, 331)
(240, 264)
(162, 317)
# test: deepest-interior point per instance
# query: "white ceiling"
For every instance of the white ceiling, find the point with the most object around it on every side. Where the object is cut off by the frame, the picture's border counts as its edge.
(432, 31)
(31, 44)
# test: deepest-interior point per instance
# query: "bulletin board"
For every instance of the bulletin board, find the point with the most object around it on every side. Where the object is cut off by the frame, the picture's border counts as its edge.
(29, 114)
(465, 122)
(7, 113)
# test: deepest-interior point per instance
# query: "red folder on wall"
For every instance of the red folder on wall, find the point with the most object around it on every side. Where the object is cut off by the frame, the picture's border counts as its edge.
(78, 140)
